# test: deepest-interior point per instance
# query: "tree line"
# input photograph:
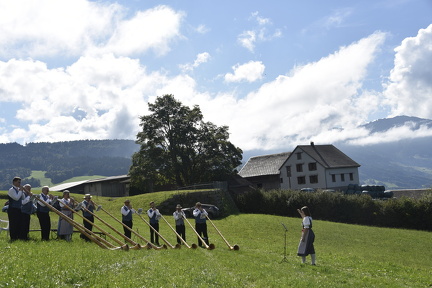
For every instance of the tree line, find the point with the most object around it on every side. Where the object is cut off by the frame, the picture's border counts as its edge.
(64, 160)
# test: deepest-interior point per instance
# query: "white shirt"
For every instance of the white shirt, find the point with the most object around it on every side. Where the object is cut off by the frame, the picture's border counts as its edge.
(307, 222)
(13, 193)
(47, 201)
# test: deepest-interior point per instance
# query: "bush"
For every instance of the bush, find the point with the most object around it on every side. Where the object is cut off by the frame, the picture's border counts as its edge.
(338, 207)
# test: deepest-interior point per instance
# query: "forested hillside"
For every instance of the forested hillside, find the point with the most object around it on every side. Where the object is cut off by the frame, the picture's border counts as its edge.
(64, 160)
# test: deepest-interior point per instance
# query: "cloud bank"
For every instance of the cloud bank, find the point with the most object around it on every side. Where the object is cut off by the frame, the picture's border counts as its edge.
(106, 85)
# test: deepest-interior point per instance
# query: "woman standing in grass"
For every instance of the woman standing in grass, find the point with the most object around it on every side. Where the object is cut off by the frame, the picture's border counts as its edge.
(306, 246)
(65, 229)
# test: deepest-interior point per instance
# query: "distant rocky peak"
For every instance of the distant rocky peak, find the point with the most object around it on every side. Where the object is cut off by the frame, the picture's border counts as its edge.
(382, 125)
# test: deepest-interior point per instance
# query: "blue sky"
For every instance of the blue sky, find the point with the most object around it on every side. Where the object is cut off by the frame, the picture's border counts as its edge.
(278, 73)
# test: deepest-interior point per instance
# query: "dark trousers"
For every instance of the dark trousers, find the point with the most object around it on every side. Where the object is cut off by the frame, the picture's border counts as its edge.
(127, 232)
(201, 229)
(45, 224)
(25, 226)
(181, 230)
(87, 225)
(153, 235)
(15, 222)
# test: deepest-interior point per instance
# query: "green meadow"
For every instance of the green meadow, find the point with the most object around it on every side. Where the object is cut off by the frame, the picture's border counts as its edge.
(347, 255)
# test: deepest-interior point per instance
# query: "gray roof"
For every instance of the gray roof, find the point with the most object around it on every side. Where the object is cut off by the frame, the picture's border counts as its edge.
(66, 186)
(109, 178)
(328, 156)
(264, 165)
(69, 185)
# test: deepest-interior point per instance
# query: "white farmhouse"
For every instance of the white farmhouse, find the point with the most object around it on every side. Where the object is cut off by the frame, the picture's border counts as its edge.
(318, 166)
(308, 166)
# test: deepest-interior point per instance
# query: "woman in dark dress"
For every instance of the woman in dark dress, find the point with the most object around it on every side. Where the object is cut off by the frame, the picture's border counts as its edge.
(307, 239)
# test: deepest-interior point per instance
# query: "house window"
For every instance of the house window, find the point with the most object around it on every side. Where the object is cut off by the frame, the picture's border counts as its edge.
(313, 179)
(281, 180)
(301, 180)
(299, 167)
(312, 166)
(298, 155)
(351, 176)
(333, 177)
(288, 170)
(343, 177)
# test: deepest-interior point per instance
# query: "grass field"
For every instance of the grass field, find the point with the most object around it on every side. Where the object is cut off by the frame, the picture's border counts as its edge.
(47, 181)
(347, 256)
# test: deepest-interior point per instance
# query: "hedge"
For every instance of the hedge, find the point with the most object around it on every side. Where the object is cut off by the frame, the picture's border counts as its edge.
(401, 212)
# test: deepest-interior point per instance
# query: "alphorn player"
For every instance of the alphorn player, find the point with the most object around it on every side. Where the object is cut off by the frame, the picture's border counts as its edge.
(42, 213)
(179, 223)
(26, 211)
(127, 212)
(65, 229)
(154, 216)
(200, 223)
(88, 204)
(15, 195)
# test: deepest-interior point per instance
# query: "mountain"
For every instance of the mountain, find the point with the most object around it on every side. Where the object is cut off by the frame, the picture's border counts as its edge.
(401, 164)
(64, 160)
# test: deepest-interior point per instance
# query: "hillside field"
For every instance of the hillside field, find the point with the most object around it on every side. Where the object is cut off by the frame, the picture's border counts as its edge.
(347, 256)
(47, 181)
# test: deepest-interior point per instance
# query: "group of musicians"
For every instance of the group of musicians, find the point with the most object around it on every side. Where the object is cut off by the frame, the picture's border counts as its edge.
(200, 215)
(21, 206)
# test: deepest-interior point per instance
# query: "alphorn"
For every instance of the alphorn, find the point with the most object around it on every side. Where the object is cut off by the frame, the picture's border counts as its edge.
(211, 246)
(149, 244)
(163, 239)
(94, 225)
(235, 247)
(136, 246)
(79, 207)
(194, 246)
(92, 236)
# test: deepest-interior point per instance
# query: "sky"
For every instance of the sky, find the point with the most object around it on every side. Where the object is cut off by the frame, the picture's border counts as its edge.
(277, 73)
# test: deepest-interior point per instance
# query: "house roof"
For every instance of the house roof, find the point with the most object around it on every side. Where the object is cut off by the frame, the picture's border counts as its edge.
(69, 185)
(66, 186)
(121, 177)
(328, 156)
(264, 165)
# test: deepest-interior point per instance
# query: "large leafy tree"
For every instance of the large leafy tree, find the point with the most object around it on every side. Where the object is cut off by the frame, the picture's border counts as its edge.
(179, 148)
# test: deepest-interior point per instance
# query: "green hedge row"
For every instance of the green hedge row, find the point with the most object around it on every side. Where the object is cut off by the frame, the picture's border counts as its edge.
(333, 206)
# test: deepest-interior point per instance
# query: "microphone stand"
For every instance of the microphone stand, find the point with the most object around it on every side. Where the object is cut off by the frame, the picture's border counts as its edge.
(284, 258)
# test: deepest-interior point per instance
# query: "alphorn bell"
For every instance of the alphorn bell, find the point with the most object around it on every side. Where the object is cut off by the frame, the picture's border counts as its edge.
(149, 244)
(194, 246)
(151, 227)
(92, 236)
(211, 246)
(235, 247)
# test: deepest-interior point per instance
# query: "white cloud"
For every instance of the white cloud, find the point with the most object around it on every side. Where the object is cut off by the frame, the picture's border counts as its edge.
(409, 89)
(73, 27)
(152, 29)
(314, 102)
(200, 59)
(250, 38)
(53, 27)
(393, 135)
(109, 92)
(103, 97)
(202, 29)
(247, 39)
(337, 18)
(250, 72)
